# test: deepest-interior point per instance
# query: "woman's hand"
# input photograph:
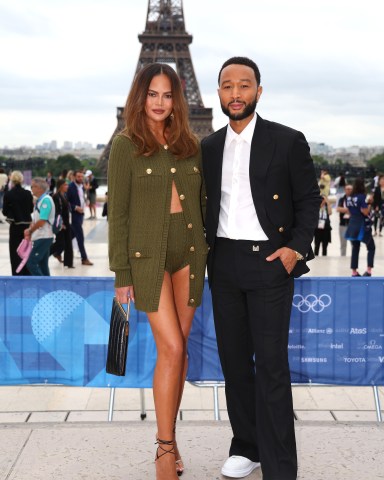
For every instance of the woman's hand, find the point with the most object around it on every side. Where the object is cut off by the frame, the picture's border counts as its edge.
(123, 293)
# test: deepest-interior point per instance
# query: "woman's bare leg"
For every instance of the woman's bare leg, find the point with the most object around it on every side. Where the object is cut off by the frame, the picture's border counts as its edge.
(180, 281)
(168, 372)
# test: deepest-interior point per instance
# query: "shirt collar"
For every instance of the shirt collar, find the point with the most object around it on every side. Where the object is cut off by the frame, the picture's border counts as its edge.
(245, 135)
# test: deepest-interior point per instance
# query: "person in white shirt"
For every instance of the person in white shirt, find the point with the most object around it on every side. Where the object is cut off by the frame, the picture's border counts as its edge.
(76, 200)
(262, 209)
(40, 231)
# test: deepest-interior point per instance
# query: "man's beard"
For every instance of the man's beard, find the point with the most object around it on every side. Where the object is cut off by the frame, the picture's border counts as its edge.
(247, 112)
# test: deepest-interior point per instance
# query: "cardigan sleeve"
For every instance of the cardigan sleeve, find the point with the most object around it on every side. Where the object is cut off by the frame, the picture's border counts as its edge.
(119, 190)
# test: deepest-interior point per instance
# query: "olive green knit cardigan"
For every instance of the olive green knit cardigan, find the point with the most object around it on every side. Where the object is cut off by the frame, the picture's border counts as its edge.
(139, 198)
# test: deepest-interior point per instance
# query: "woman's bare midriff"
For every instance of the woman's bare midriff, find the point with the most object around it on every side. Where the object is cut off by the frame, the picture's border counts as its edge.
(175, 200)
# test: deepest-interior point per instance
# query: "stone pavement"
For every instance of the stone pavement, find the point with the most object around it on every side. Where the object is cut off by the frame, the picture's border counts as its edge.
(125, 451)
(59, 432)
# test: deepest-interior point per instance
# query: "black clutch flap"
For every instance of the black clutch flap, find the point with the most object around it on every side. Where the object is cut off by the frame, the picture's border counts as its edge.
(118, 339)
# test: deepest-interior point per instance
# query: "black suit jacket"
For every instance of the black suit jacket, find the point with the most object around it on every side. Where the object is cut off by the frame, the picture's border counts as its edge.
(73, 198)
(283, 185)
(18, 205)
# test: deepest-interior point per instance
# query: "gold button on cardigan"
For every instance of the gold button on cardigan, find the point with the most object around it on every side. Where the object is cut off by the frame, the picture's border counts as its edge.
(139, 214)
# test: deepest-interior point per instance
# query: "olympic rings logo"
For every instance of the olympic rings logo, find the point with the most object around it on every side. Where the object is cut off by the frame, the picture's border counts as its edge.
(311, 302)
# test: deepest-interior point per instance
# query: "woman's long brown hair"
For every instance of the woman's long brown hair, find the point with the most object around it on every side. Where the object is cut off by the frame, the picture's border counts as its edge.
(180, 139)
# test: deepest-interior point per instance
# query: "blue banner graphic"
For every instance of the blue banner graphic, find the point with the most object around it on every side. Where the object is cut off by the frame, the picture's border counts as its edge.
(54, 330)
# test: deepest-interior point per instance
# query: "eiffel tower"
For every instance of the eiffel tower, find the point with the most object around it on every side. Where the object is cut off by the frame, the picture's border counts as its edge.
(165, 40)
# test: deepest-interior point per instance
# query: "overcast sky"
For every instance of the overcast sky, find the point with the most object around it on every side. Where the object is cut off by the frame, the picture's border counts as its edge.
(67, 64)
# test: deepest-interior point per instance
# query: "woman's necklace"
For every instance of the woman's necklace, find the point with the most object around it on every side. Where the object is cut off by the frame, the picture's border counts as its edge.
(165, 147)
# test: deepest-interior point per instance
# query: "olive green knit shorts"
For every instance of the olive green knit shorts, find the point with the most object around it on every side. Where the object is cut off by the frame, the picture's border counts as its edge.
(177, 250)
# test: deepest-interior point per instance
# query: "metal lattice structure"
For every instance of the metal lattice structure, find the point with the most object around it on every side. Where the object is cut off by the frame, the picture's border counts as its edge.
(165, 40)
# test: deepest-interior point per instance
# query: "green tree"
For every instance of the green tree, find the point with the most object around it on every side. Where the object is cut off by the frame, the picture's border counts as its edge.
(90, 164)
(65, 162)
(377, 162)
(319, 160)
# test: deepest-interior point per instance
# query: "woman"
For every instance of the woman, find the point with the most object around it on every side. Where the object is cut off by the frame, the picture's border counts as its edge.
(323, 230)
(360, 227)
(157, 247)
(18, 207)
(70, 176)
(63, 241)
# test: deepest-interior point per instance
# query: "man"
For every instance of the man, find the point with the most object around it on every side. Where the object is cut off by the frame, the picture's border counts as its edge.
(40, 231)
(51, 183)
(262, 209)
(76, 199)
(344, 218)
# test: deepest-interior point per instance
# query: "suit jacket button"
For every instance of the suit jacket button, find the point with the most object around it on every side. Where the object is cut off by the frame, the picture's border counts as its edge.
(281, 229)
(189, 225)
(137, 254)
(192, 276)
(275, 197)
(182, 197)
(195, 169)
(149, 171)
(173, 170)
(192, 249)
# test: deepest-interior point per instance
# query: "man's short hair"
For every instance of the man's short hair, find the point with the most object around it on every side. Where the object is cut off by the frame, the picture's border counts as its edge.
(41, 183)
(242, 61)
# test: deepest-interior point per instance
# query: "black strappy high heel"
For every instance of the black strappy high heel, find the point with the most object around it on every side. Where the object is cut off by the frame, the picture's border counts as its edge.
(179, 461)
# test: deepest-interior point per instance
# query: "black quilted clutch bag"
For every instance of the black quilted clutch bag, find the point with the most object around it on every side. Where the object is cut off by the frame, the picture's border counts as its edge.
(118, 339)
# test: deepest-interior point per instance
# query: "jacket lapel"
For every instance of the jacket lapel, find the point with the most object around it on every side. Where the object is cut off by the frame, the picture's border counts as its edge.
(262, 151)
(216, 158)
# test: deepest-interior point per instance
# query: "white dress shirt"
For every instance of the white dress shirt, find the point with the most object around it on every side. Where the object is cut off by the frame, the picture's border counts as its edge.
(238, 218)
(80, 191)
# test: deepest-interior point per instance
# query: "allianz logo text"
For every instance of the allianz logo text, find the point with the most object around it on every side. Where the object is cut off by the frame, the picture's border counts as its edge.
(311, 302)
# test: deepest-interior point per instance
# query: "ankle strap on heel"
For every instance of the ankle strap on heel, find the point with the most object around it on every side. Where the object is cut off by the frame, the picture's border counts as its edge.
(169, 443)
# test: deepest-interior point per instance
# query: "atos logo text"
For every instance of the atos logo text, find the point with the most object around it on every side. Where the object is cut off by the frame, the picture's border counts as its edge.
(358, 331)
(311, 302)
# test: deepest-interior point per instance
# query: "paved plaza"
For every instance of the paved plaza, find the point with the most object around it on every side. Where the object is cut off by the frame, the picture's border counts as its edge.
(54, 432)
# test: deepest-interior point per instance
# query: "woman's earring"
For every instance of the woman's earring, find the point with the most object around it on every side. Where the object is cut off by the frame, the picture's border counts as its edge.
(172, 115)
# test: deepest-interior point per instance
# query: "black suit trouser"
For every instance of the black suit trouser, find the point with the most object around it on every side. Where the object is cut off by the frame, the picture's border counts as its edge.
(63, 243)
(77, 229)
(252, 301)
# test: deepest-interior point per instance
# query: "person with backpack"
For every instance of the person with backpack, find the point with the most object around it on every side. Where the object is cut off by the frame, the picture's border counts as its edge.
(40, 231)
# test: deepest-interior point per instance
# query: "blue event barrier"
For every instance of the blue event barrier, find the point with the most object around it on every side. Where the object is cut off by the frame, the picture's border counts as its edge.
(54, 330)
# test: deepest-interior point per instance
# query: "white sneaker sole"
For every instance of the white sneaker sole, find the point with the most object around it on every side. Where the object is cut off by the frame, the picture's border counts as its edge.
(239, 473)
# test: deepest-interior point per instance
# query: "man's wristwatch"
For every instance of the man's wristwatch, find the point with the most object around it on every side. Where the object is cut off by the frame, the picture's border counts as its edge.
(298, 256)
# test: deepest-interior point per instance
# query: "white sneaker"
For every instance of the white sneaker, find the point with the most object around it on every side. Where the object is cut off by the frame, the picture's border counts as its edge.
(238, 467)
